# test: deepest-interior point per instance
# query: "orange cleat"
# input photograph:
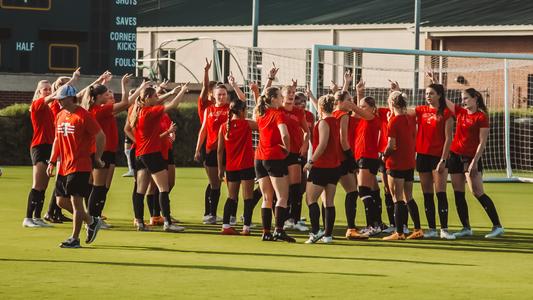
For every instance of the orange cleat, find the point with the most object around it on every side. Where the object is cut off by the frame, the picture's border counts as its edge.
(245, 232)
(395, 237)
(229, 231)
(354, 234)
(157, 221)
(417, 234)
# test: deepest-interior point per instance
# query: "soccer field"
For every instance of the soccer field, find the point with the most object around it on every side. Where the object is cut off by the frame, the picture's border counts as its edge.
(200, 263)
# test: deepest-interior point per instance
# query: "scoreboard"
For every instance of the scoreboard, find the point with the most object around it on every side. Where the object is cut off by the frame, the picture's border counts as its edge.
(57, 36)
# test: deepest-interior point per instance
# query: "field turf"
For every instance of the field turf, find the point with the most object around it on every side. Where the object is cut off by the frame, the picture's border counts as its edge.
(201, 264)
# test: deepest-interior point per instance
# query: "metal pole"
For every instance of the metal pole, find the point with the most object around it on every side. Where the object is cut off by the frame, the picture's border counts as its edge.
(417, 46)
(507, 119)
(255, 22)
(217, 72)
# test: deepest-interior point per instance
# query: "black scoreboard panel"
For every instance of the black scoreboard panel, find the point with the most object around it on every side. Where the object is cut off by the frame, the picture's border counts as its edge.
(57, 36)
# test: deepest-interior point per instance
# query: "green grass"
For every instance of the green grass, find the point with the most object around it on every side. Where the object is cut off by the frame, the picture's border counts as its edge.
(200, 263)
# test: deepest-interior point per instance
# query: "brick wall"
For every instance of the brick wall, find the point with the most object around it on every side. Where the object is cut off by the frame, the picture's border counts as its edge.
(9, 97)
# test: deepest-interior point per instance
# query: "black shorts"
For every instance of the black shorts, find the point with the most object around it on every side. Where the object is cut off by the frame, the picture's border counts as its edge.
(244, 174)
(293, 159)
(303, 161)
(273, 168)
(170, 159)
(426, 163)
(459, 164)
(108, 157)
(323, 176)
(211, 159)
(372, 164)
(40, 153)
(127, 140)
(154, 162)
(408, 175)
(382, 168)
(75, 184)
(132, 158)
(202, 153)
(347, 166)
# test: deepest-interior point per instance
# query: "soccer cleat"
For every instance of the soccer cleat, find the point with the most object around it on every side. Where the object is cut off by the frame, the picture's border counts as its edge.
(128, 174)
(405, 229)
(70, 243)
(496, 231)
(142, 227)
(157, 221)
(92, 229)
(445, 234)
(281, 235)
(431, 233)
(300, 226)
(389, 230)
(28, 222)
(245, 232)
(173, 228)
(210, 221)
(464, 232)
(327, 239)
(395, 237)
(41, 222)
(229, 231)
(353, 234)
(205, 218)
(313, 238)
(371, 231)
(52, 219)
(267, 236)
(232, 220)
(288, 225)
(103, 218)
(105, 225)
(417, 234)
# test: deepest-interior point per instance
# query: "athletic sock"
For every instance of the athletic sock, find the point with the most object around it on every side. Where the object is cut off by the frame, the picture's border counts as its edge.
(157, 205)
(52, 206)
(248, 211)
(330, 220)
(281, 216)
(138, 206)
(103, 199)
(297, 215)
(266, 216)
(33, 198)
(443, 209)
(489, 207)
(314, 216)
(398, 216)
(88, 195)
(377, 207)
(413, 211)
(350, 208)
(234, 208)
(214, 197)
(429, 207)
(462, 208)
(366, 197)
(390, 207)
(228, 208)
(164, 201)
(257, 196)
(294, 191)
(95, 200)
(207, 205)
(39, 206)
(150, 201)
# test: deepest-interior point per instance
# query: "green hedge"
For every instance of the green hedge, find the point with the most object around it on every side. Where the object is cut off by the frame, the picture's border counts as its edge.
(16, 132)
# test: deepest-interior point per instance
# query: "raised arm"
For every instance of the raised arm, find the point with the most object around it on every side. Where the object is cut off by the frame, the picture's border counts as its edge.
(201, 138)
(433, 80)
(75, 77)
(254, 88)
(124, 102)
(205, 84)
(271, 76)
(236, 88)
(175, 102)
(348, 77)
(311, 97)
(357, 110)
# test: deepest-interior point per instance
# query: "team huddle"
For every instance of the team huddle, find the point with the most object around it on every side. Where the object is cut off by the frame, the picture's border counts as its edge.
(352, 141)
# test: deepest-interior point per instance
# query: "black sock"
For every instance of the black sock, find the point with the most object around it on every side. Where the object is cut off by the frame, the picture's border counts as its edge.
(294, 194)
(330, 220)
(297, 215)
(350, 208)
(377, 206)
(489, 207)
(314, 216)
(39, 207)
(429, 206)
(150, 201)
(390, 208)
(443, 209)
(228, 209)
(366, 197)
(207, 205)
(462, 208)
(399, 208)
(281, 216)
(214, 197)
(164, 202)
(138, 206)
(266, 216)
(234, 208)
(257, 196)
(413, 211)
(157, 206)
(52, 206)
(33, 198)
(248, 211)
(103, 199)
(93, 201)
(88, 195)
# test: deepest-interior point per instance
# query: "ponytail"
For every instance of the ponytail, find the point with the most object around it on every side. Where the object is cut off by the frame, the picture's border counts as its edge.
(479, 99)
(265, 100)
(139, 104)
(94, 91)
(235, 108)
(228, 124)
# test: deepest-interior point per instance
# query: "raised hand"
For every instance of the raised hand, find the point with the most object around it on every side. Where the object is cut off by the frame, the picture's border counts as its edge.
(253, 86)
(333, 86)
(348, 77)
(360, 86)
(207, 64)
(294, 82)
(394, 86)
(231, 79)
(273, 71)
(431, 76)
(126, 79)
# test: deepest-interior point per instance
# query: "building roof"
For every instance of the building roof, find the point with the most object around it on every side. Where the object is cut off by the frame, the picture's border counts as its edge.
(434, 13)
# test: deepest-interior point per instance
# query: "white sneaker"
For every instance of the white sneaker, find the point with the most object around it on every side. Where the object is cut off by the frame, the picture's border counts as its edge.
(128, 174)
(390, 229)
(210, 220)
(232, 220)
(371, 231)
(28, 222)
(173, 228)
(300, 226)
(41, 222)
(288, 225)
(218, 218)
(406, 229)
(464, 232)
(327, 239)
(313, 238)
(496, 231)
(206, 218)
(105, 225)
(430, 233)
(445, 234)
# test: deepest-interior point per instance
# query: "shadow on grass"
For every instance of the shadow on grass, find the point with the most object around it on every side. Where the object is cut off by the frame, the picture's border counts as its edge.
(191, 267)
